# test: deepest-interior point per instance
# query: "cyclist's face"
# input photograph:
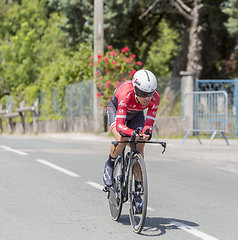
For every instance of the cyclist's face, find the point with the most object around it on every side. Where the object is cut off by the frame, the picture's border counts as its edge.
(144, 101)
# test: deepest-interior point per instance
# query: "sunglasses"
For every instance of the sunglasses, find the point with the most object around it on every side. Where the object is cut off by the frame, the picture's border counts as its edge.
(143, 94)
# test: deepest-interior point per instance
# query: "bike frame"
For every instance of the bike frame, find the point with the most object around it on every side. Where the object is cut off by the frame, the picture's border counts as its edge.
(126, 169)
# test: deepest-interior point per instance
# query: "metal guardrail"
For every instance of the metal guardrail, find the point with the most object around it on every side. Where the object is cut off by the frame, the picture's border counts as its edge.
(20, 112)
(205, 111)
(231, 87)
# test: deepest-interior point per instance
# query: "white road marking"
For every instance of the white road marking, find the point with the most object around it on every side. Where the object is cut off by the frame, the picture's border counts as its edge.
(100, 187)
(95, 185)
(13, 150)
(58, 168)
(150, 209)
(192, 231)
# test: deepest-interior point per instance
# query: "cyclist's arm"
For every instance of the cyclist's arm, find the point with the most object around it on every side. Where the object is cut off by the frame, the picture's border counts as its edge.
(151, 113)
(120, 122)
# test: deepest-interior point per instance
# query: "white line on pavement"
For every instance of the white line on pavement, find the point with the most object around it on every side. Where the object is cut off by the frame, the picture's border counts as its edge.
(95, 185)
(58, 168)
(13, 150)
(192, 231)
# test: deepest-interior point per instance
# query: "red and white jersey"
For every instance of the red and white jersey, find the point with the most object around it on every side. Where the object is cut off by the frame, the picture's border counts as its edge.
(125, 102)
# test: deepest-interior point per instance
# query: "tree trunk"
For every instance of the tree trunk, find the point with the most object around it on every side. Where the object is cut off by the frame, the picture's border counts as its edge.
(188, 56)
(195, 42)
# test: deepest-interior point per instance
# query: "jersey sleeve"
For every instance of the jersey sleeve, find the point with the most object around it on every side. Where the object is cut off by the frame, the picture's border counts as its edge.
(121, 119)
(151, 113)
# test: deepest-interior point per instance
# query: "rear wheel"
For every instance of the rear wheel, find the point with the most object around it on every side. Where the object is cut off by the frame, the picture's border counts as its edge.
(137, 173)
(115, 196)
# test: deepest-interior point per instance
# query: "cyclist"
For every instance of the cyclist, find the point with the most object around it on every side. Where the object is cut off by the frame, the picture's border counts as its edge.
(125, 114)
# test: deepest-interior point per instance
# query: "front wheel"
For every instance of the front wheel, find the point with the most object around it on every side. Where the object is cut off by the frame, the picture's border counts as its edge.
(137, 174)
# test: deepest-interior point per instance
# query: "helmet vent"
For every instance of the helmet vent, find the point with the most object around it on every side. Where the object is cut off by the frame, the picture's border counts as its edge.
(147, 75)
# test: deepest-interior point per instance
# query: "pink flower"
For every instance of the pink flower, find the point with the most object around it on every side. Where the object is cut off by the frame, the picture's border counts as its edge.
(91, 63)
(106, 59)
(139, 63)
(99, 85)
(109, 47)
(107, 84)
(124, 50)
(101, 104)
(114, 61)
(91, 58)
(96, 73)
(133, 55)
(100, 56)
(123, 79)
(100, 78)
(128, 60)
(99, 95)
(113, 53)
(133, 72)
(108, 70)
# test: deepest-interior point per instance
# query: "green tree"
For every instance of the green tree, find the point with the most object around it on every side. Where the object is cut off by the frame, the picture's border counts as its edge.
(66, 67)
(122, 25)
(79, 18)
(26, 47)
(163, 51)
(135, 24)
(230, 8)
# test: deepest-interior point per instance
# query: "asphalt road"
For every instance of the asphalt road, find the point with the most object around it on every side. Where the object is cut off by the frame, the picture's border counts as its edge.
(50, 188)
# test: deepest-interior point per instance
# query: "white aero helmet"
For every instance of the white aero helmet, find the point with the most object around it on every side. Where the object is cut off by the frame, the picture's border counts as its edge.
(145, 83)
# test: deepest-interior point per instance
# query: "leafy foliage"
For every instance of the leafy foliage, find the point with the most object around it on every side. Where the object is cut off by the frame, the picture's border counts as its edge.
(231, 9)
(79, 18)
(67, 67)
(21, 59)
(122, 25)
(163, 51)
(112, 69)
(21, 52)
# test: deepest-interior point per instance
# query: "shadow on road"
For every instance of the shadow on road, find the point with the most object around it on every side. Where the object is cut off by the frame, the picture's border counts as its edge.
(155, 226)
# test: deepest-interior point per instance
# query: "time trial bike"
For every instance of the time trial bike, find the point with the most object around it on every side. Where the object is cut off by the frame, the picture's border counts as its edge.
(125, 174)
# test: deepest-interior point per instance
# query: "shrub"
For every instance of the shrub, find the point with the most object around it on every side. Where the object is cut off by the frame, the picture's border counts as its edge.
(112, 69)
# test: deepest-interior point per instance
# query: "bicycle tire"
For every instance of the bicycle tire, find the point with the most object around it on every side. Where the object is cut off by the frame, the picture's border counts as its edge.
(115, 202)
(137, 220)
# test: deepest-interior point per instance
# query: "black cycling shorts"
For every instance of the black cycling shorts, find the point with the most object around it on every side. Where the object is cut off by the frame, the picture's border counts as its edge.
(133, 119)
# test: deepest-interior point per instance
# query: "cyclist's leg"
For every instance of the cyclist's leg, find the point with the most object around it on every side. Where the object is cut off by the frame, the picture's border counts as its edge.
(115, 152)
(108, 170)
